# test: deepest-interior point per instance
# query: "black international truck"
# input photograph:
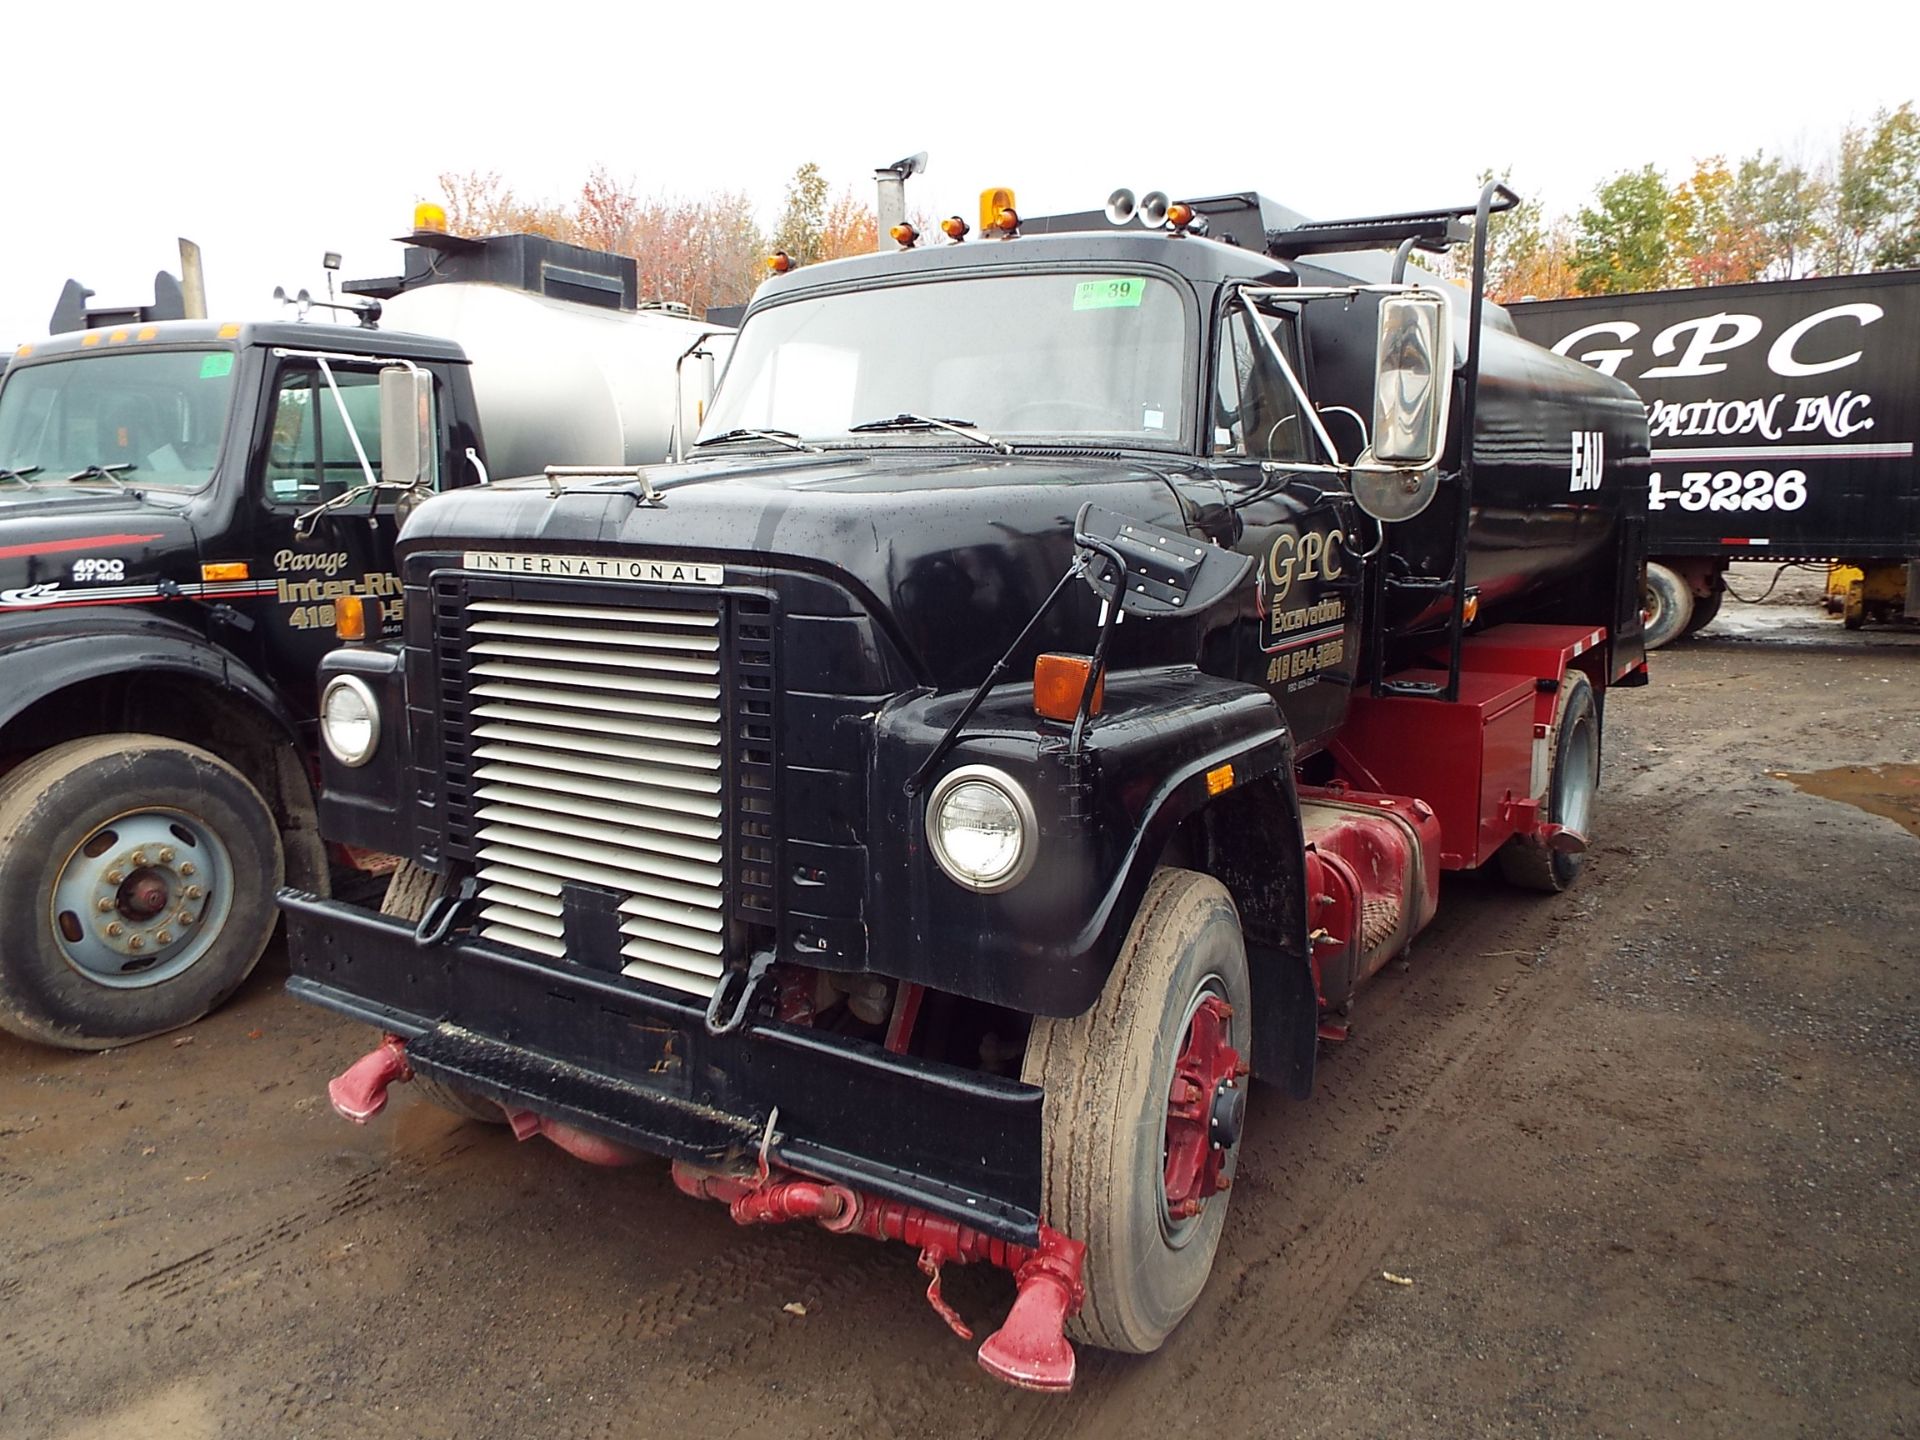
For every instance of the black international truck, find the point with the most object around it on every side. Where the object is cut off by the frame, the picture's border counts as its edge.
(183, 505)
(1783, 418)
(1059, 678)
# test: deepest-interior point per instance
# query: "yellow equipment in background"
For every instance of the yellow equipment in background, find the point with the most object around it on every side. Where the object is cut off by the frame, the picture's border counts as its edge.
(1874, 590)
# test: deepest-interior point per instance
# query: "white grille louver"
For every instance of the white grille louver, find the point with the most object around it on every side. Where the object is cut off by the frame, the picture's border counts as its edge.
(596, 738)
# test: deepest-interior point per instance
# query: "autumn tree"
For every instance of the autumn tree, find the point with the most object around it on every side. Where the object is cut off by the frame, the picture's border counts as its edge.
(803, 221)
(849, 228)
(1871, 216)
(1622, 241)
(1777, 205)
(479, 203)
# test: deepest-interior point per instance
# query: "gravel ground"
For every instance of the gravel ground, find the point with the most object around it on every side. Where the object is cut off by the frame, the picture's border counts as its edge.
(1642, 1150)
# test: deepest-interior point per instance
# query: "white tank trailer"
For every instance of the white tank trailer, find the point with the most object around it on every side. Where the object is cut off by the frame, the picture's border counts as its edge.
(569, 366)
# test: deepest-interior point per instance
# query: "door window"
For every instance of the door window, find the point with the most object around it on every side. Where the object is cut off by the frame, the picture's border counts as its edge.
(1255, 412)
(311, 456)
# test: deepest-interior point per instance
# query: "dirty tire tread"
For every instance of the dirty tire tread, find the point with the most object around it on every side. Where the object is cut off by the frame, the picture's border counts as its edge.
(1705, 609)
(1673, 609)
(1082, 1171)
(25, 1010)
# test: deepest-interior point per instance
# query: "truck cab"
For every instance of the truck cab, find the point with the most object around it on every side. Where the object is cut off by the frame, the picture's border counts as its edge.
(185, 507)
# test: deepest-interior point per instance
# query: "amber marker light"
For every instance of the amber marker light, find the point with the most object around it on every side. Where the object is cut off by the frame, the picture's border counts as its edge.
(228, 331)
(1219, 779)
(118, 337)
(904, 235)
(1471, 610)
(225, 570)
(147, 332)
(779, 262)
(1058, 683)
(956, 228)
(349, 618)
(1179, 215)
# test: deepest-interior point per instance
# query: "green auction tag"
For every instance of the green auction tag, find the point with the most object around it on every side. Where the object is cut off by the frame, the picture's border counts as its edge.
(213, 366)
(1111, 294)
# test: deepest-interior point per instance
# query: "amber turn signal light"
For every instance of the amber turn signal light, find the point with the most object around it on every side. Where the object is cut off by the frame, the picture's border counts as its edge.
(350, 618)
(1058, 683)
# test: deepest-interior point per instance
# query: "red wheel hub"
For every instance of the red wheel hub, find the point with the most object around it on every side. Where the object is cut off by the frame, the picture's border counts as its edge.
(1204, 1108)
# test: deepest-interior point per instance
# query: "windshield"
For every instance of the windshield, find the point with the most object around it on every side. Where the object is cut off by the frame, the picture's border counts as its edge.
(152, 418)
(1055, 355)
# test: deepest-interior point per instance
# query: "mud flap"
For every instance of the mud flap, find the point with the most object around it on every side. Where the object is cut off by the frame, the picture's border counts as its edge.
(1284, 1052)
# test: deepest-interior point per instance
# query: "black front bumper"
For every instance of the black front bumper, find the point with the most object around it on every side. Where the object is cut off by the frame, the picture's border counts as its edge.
(635, 1063)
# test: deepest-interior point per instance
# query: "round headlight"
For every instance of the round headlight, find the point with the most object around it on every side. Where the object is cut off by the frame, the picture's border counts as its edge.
(349, 720)
(981, 827)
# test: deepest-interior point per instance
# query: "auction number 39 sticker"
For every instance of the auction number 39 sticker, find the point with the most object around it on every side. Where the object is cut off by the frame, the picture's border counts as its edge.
(1730, 490)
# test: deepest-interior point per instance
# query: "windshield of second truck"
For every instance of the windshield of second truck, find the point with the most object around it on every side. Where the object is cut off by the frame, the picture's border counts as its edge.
(1095, 358)
(151, 419)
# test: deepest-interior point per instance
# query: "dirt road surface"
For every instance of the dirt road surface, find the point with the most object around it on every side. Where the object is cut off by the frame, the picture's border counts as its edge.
(1644, 1150)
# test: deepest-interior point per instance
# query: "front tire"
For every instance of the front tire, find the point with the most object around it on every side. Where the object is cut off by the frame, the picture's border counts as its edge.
(137, 878)
(410, 890)
(1138, 1182)
(1666, 605)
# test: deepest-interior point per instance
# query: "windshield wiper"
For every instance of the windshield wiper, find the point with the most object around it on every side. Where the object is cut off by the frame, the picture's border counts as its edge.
(779, 437)
(21, 473)
(102, 472)
(906, 420)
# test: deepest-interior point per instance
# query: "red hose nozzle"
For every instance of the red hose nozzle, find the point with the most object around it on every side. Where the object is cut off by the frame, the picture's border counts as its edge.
(359, 1092)
(1031, 1349)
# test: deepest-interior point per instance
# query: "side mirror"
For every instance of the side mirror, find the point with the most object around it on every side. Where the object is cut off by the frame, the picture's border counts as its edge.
(1413, 381)
(406, 426)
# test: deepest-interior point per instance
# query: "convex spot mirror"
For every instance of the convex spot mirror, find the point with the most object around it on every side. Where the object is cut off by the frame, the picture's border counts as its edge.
(406, 425)
(1167, 572)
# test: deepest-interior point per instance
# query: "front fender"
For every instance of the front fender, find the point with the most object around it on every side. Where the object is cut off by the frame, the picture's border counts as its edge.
(1156, 756)
(42, 655)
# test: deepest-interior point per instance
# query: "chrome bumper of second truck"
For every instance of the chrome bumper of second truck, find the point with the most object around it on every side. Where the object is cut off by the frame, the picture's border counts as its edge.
(636, 1064)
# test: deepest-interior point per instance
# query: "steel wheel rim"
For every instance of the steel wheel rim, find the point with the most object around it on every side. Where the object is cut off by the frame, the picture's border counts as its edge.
(1177, 1231)
(142, 898)
(1573, 806)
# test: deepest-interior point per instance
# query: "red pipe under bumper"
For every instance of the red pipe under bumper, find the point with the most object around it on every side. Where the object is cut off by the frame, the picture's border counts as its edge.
(359, 1092)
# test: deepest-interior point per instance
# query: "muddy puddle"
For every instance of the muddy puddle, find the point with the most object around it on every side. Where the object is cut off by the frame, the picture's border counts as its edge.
(1889, 790)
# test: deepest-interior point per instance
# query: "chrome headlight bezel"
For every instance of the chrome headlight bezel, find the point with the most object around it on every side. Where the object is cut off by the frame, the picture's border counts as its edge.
(1026, 822)
(353, 759)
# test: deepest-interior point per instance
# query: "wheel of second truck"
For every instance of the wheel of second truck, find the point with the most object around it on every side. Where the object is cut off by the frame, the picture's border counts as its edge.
(410, 890)
(1705, 607)
(1573, 779)
(137, 878)
(1145, 1101)
(1666, 605)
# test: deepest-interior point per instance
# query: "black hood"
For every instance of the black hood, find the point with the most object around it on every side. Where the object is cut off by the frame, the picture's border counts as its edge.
(62, 546)
(953, 551)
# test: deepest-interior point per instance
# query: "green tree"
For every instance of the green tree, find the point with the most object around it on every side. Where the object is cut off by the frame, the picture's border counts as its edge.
(803, 222)
(1776, 205)
(1871, 218)
(1622, 241)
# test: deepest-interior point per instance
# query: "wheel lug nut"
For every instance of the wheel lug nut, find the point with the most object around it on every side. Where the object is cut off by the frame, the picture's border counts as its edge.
(183, 919)
(114, 929)
(139, 857)
(166, 855)
(186, 867)
(192, 892)
(138, 942)
(104, 904)
(114, 877)
(165, 937)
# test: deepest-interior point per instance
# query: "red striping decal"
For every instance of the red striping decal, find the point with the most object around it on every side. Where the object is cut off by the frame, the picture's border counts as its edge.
(85, 542)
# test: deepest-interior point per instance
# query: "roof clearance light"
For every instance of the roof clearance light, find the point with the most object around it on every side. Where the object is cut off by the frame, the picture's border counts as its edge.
(1179, 215)
(229, 331)
(904, 235)
(147, 332)
(956, 228)
(429, 216)
(779, 262)
(998, 215)
(118, 337)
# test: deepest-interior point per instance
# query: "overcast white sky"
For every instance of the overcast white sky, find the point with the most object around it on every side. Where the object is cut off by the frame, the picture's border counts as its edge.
(270, 133)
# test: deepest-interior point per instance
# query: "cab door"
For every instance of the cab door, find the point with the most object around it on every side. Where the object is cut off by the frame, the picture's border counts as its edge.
(320, 418)
(1301, 636)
